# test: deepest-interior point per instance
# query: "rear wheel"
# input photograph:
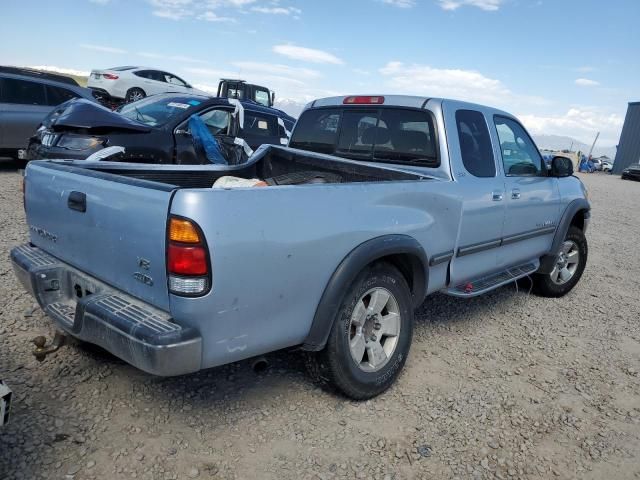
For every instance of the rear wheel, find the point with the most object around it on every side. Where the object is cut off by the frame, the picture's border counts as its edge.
(567, 270)
(371, 335)
(135, 94)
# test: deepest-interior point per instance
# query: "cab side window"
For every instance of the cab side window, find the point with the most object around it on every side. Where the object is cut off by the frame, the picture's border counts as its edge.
(520, 155)
(57, 95)
(475, 143)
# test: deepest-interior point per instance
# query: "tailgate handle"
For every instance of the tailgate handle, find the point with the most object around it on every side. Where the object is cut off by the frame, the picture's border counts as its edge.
(77, 201)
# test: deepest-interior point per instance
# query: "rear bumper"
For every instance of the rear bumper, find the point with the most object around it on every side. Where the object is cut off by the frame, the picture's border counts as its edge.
(94, 312)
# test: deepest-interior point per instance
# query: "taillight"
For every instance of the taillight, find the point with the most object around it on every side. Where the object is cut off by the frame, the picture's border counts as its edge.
(110, 76)
(187, 258)
(363, 100)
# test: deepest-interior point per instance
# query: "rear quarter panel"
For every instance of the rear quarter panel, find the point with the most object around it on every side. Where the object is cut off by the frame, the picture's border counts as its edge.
(274, 249)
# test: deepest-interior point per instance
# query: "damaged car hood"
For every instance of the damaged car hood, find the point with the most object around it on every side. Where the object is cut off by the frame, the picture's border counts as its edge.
(83, 114)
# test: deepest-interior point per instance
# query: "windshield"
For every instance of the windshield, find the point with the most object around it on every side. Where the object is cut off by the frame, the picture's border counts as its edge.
(387, 135)
(155, 111)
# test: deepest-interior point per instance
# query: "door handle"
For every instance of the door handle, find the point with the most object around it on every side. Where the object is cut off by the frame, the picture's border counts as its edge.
(497, 196)
(77, 201)
(515, 194)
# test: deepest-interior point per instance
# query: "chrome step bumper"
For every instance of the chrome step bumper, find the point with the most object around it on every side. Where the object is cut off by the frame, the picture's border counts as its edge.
(90, 310)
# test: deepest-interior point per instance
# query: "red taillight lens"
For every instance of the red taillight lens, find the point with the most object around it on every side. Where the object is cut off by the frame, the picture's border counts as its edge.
(187, 260)
(110, 76)
(363, 100)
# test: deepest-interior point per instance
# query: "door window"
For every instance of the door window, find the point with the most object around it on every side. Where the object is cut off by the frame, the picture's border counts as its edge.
(217, 121)
(475, 144)
(520, 155)
(57, 95)
(258, 125)
(22, 92)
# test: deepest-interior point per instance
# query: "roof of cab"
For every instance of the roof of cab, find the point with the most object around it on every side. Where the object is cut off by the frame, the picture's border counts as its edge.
(411, 101)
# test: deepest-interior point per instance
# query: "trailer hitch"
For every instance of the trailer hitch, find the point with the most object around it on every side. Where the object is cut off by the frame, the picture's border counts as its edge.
(42, 351)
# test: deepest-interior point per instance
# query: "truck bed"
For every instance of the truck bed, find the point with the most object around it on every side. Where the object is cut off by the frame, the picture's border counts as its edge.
(276, 165)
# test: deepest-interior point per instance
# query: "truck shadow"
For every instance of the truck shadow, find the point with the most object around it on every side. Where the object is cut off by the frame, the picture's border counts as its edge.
(208, 390)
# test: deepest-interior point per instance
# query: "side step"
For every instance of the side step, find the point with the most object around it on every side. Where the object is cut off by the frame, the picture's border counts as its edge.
(482, 285)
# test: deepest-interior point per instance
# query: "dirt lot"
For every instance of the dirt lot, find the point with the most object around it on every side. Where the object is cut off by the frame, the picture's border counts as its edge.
(504, 386)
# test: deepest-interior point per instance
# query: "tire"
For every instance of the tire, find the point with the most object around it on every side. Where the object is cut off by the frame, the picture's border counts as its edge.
(134, 94)
(566, 274)
(357, 324)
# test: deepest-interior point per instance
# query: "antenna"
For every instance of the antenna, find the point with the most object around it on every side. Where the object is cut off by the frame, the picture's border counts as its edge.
(593, 145)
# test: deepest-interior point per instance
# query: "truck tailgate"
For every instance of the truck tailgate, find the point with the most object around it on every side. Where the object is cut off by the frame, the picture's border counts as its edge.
(120, 236)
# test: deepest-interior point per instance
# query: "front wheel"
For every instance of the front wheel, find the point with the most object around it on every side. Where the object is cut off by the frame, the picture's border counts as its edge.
(568, 269)
(371, 335)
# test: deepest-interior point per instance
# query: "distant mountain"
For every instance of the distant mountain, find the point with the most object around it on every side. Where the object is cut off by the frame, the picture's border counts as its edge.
(292, 107)
(559, 142)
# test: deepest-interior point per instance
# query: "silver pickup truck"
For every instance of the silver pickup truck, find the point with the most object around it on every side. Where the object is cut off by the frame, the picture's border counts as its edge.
(376, 203)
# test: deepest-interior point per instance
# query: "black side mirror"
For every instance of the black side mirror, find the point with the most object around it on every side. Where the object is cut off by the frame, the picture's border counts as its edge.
(561, 167)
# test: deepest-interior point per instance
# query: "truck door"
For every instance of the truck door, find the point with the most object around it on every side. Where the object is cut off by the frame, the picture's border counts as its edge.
(481, 187)
(532, 198)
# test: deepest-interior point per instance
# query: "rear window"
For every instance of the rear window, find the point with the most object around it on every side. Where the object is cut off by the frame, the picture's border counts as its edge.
(155, 111)
(392, 135)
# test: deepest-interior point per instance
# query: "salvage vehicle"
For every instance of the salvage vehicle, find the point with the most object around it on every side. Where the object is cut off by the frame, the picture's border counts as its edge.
(632, 172)
(327, 245)
(155, 129)
(240, 89)
(27, 96)
(130, 84)
(5, 403)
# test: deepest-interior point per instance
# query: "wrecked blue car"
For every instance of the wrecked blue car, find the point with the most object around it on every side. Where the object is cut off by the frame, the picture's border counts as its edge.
(156, 129)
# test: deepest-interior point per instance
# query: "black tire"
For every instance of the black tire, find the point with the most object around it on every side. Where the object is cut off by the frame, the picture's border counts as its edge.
(543, 284)
(133, 93)
(335, 367)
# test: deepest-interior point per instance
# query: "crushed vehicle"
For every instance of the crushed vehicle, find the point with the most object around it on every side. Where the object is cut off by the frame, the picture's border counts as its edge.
(327, 245)
(156, 129)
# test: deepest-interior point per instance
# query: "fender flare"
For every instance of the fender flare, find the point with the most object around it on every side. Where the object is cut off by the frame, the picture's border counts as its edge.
(361, 256)
(548, 261)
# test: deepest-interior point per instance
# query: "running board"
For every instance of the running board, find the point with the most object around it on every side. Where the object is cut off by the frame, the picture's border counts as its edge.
(491, 282)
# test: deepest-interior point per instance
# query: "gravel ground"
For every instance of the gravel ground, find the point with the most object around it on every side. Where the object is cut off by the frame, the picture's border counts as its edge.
(503, 386)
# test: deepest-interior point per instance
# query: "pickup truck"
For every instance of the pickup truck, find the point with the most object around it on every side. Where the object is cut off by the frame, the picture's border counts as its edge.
(376, 203)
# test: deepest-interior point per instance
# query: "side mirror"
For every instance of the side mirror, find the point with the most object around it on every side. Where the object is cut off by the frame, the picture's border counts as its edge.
(561, 167)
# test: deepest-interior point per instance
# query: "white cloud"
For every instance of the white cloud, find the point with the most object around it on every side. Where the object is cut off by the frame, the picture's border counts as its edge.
(579, 122)
(307, 54)
(361, 71)
(585, 82)
(277, 10)
(400, 3)
(100, 2)
(64, 71)
(488, 5)
(211, 16)
(277, 69)
(102, 48)
(460, 84)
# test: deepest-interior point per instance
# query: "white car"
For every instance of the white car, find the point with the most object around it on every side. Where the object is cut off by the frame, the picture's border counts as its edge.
(607, 166)
(133, 83)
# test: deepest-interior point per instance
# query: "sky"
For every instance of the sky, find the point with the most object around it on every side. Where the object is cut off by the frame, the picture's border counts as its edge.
(564, 67)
